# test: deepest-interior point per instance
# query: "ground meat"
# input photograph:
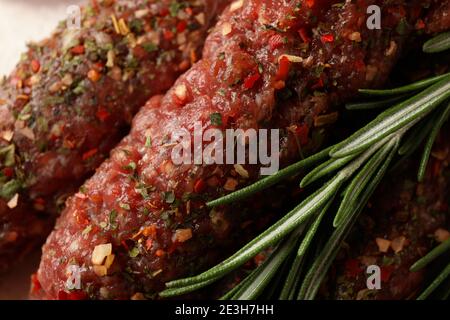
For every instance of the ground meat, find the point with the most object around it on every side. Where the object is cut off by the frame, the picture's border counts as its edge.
(141, 220)
(406, 220)
(72, 98)
(439, 18)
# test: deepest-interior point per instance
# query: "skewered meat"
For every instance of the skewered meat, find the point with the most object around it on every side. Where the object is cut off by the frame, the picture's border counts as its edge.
(141, 220)
(72, 98)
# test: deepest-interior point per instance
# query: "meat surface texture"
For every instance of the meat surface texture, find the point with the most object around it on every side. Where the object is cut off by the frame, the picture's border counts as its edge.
(141, 220)
(72, 97)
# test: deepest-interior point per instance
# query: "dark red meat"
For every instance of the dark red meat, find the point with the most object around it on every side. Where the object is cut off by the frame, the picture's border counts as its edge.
(72, 97)
(146, 214)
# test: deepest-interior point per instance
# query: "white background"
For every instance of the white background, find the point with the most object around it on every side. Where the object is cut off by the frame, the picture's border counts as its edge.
(22, 21)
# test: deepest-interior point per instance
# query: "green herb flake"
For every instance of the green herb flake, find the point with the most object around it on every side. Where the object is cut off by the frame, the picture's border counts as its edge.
(125, 206)
(87, 230)
(169, 197)
(133, 253)
(216, 119)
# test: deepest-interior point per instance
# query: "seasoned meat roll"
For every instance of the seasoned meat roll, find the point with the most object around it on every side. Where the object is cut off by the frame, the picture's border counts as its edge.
(72, 97)
(141, 220)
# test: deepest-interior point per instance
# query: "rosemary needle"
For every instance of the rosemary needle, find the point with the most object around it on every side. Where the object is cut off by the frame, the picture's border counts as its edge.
(439, 43)
(422, 263)
(405, 89)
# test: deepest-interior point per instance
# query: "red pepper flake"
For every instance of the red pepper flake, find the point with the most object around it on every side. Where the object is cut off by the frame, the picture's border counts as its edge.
(352, 268)
(360, 65)
(310, 3)
(102, 114)
(327, 38)
(160, 253)
(74, 295)
(8, 172)
(35, 66)
(275, 41)
(199, 186)
(319, 84)
(95, 5)
(164, 12)
(181, 26)
(168, 35)
(89, 154)
(78, 49)
(386, 272)
(304, 35)
(250, 81)
(39, 204)
(94, 75)
(35, 284)
(420, 24)
(283, 68)
(189, 11)
(303, 133)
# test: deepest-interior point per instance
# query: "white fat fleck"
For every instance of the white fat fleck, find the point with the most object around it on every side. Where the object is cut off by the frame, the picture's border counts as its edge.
(74, 246)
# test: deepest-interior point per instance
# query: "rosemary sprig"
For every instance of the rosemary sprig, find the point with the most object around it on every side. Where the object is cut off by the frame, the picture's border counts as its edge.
(358, 165)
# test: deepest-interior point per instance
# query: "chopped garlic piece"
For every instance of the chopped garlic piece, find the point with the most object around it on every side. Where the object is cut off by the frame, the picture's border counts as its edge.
(241, 171)
(101, 271)
(7, 135)
(100, 253)
(226, 28)
(13, 202)
(291, 58)
(383, 244)
(236, 5)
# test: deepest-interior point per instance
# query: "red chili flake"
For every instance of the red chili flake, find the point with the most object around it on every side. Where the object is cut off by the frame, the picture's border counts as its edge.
(360, 65)
(8, 172)
(181, 26)
(304, 35)
(89, 154)
(319, 84)
(302, 133)
(35, 66)
(74, 295)
(35, 284)
(95, 5)
(250, 81)
(189, 11)
(420, 24)
(168, 35)
(148, 244)
(436, 168)
(310, 3)
(386, 272)
(102, 114)
(39, 204)
(327, 38)
(77, 49)
(98, 66)
(352, 268)
(275, 41)
(283, 68)
(164, 12)
(160, 253)
(199, 186)
(124, 244)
